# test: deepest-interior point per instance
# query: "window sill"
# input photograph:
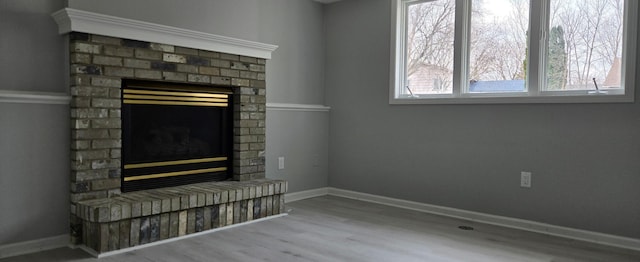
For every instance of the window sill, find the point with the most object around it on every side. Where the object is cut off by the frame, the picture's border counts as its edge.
(514, 98)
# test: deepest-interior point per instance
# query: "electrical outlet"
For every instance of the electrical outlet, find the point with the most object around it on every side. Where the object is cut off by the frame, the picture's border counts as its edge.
(525, 179)
(281, 162)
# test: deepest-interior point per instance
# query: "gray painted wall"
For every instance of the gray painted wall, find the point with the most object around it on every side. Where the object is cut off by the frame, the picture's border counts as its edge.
(34, 171)
(302, 139)
(34, 139)
(39, 133)
(30, 44)
(585, 158)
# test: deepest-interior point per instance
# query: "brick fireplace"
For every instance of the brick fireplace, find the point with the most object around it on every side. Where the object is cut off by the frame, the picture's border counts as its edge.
(103, 218)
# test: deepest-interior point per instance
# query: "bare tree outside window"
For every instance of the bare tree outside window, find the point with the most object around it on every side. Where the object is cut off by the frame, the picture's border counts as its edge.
(429, 45)
(592, 32)
(498, 43)
(585, 42)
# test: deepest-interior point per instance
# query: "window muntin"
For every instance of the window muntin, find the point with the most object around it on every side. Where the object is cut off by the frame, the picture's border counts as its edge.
(535, 63)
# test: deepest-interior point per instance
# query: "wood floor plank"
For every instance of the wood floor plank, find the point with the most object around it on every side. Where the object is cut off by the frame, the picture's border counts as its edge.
(338, 229)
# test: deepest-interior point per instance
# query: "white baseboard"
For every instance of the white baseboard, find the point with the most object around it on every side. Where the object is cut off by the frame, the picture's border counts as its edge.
(295, 196)
(521, 224)
(33, 246)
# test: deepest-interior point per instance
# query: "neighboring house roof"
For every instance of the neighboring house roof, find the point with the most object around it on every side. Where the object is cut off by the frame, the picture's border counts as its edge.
(497, 86)
(615, 74)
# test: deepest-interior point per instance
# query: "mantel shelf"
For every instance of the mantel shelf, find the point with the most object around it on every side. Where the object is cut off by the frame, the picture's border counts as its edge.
(72, 20)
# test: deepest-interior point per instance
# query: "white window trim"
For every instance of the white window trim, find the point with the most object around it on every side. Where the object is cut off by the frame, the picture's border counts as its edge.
(533, 95)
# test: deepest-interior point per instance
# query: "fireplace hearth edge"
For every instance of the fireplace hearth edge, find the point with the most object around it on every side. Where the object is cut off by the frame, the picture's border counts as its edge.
(143, 217)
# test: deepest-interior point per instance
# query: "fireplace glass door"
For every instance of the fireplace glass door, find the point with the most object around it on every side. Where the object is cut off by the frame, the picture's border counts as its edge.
(175, 134)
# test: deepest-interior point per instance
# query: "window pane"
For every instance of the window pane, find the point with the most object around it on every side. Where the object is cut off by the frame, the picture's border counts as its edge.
(429, 47)
(498, 45)
(585, 42)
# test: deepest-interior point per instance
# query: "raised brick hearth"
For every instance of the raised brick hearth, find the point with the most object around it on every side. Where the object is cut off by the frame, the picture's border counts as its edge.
(103, 218)
(143, 217)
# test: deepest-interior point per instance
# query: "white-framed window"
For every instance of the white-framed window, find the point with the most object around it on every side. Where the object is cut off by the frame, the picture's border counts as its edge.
(513, 51)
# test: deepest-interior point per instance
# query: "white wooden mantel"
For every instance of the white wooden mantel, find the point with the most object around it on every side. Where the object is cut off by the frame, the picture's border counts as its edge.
(73, 20)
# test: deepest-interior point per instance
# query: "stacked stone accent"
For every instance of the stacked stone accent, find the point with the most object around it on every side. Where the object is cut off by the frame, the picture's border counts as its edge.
(139, 218)
(98, 65)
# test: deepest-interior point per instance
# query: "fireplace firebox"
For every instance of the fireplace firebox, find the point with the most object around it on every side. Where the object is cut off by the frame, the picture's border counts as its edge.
(175, 134)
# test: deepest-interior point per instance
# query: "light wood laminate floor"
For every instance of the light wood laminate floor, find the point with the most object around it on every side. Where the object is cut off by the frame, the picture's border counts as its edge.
(338, 229)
